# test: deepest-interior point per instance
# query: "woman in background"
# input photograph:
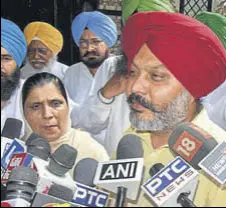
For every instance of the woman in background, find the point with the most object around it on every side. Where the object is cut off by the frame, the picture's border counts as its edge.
(46, 112)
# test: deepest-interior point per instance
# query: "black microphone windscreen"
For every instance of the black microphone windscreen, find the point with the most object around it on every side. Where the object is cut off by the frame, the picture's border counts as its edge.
(62, 160)
(191, 143)
(3, 192)
(12, 128)
(61, 192)
(130, 146)
(32, 137)
(85, 171)
(155, 169)
(25, 174)
(38, 146)
(22, 183)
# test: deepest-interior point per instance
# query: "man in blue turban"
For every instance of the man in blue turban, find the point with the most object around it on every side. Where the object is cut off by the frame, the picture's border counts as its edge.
(13, 51)
(94, 33)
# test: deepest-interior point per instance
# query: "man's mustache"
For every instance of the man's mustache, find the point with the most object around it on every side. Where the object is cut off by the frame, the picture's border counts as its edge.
(133, 98)
(91, 53)
(6, 76)
(35, 61)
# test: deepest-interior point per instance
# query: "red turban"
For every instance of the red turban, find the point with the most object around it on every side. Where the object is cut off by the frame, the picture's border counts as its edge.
(188, 48)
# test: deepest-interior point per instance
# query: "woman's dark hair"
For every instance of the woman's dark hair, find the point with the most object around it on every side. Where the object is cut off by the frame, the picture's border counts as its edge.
(39, 80)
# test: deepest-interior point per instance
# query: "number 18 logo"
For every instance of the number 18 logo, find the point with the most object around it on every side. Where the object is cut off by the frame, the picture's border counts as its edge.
(187, 146)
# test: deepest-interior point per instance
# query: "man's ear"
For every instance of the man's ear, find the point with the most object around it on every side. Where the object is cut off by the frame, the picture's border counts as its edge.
(193, 100)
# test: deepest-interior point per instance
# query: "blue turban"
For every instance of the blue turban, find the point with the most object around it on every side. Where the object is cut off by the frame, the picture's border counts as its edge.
(13, 40)
(98, 23)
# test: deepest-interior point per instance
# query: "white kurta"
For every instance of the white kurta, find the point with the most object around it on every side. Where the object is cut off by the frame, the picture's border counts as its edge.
(215, 104)
(12, 108)
(78, 81)
(58, 70)
(106, 123)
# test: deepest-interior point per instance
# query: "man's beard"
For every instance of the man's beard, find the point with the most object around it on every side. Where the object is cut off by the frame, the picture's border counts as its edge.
(93, 63)
(9, 84)
(47, 68)
(174, 113)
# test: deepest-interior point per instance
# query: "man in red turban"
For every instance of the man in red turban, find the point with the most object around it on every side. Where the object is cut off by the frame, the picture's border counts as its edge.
(173, 60)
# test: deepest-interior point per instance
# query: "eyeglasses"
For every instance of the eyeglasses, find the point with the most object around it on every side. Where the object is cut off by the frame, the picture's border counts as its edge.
(40, 51)
(83, 43)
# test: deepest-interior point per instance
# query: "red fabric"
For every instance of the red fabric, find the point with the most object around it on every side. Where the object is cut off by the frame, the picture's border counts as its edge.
(188, 48)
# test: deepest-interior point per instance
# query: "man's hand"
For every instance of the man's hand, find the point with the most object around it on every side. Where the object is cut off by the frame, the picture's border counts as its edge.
(115, 86)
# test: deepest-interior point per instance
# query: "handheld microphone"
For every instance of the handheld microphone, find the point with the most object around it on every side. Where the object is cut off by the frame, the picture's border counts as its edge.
(130, 146)
(58, 196)
(214, 164)
(173, 185)
(155, 169)
(191, 143)
(56, 170)
(201, 150)
(62, 160)
(123, 176)
(183, 197)
(124, 152)
(61, 192)
(11, 130)
(38, 146)
(85, 171)
(3, 192)
(85, 195)
(21, 184)
(15, 147)
(44, 200)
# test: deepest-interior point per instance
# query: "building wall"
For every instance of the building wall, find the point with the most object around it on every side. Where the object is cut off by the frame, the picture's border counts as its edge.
(24, 11)
(218, 6)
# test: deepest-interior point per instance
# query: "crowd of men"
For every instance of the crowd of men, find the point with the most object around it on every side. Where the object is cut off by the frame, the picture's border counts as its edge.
(173, 70)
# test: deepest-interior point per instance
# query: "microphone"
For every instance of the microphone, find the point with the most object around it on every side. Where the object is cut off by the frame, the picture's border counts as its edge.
(58, 196)
(11, 130)
(191, 143)
(201, 150)
(15, 147)
(56, 170)
(38, 146)
(214, 165)
(183, 197)
(81, 175)
(155, 169)
(21, 186)
(61, 192)
(130, 146)
(62, 160)
(44, 200)
(85, 195)
(173, 185)
(123, 176)
(3, 192)
(123, 152)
